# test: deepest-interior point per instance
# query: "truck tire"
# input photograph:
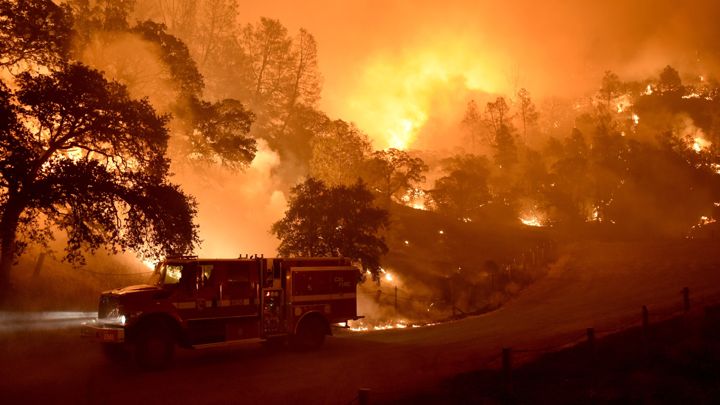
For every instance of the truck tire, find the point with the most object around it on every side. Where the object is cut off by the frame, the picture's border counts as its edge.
(155, 346)
(310, 334)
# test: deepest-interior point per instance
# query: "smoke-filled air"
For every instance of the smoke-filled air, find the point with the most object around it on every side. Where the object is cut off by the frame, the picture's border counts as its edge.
(426, 182)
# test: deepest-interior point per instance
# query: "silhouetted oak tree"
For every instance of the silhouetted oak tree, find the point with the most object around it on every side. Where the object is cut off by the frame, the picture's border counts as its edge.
(333, 221)
(80, 155)
(77, 154)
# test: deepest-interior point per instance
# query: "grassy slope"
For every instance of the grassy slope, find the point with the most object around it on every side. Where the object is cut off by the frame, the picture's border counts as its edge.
(594, 284)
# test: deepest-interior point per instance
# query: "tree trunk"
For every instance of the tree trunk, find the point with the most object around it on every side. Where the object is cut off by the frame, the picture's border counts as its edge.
(6, 260)
(8, 229)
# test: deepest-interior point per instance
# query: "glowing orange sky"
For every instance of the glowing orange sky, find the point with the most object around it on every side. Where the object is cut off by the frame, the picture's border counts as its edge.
(389, 65)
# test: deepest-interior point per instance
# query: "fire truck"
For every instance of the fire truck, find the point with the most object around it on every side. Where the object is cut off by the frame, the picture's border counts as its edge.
(197, 303)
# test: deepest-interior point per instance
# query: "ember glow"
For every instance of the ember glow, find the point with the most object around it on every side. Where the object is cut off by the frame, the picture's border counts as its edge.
(531, 221)
(532, 218)
(414, 198)
(622, 103)
(704, 220)
(699, 144)
(387, 276)
(364, 326)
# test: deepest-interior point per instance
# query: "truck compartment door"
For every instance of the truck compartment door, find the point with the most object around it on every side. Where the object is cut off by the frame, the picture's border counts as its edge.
(273, 313)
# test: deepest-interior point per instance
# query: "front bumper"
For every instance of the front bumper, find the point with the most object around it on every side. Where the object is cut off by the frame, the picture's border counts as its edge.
(103, 332)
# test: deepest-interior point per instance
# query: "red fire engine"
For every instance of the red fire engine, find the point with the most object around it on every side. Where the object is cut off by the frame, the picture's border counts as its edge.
(198, 303)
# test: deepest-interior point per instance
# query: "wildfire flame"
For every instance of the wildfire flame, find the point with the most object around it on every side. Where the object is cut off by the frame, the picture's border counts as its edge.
(414, 198)
(706, 220)
(697, 95)
(531, 221)
(532, 217)
(393, 95)
(388, 276)
(699, 144)
(622, 103)
(363, 326)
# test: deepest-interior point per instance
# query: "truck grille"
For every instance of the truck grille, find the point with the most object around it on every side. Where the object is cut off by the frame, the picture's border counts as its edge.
(107, 304)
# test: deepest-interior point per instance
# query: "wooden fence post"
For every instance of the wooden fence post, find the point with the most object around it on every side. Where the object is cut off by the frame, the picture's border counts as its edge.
(396, 300)
(364, 396)
(507, 369)
(591, 339)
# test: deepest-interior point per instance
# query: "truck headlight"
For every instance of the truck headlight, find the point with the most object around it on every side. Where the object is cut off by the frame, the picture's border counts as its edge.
(115, 316)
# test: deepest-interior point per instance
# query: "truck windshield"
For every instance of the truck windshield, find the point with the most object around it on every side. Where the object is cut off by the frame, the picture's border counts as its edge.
(167, 274)
(157, 275)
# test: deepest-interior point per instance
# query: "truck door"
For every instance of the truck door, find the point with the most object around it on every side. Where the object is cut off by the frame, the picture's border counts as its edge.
(239, 301)
(227, 302)
(183, 277)
(197, 303)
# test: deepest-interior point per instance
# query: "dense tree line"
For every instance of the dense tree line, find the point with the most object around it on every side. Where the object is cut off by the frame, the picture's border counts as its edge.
(640, 155)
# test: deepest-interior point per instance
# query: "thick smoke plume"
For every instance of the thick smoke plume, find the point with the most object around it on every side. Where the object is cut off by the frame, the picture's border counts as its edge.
(397, 76)
(236, 209)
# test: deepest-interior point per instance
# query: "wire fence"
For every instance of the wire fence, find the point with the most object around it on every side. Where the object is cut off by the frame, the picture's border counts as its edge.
(503, 361)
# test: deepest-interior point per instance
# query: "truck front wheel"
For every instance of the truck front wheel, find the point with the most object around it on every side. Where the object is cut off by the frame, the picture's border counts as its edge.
(155, 346)
(310, 334)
